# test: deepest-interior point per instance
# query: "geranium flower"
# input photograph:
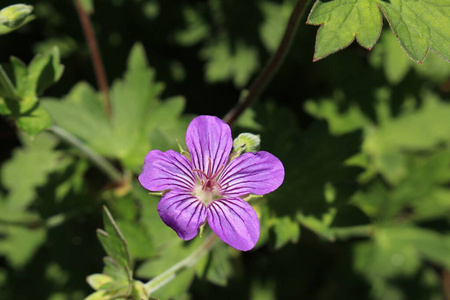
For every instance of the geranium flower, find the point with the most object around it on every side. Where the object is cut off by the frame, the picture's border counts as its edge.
(208, 187)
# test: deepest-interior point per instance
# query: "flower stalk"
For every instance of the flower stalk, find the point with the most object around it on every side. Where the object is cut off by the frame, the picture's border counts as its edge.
(167, 276)
(98, 160)
(272, 66)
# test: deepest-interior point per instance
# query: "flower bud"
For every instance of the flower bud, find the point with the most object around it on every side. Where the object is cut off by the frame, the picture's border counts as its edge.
(246, 142)
(14, 15)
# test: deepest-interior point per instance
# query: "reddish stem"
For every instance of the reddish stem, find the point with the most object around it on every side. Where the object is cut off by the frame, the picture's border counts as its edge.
(272, 65)
(95, 56)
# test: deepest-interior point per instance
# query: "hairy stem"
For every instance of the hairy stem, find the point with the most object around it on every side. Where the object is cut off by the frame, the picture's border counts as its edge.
(95, 56)
(272, 65)
(164, 278)
(102, 163)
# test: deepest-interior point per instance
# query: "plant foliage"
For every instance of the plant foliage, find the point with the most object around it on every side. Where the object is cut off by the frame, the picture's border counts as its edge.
(364, 138)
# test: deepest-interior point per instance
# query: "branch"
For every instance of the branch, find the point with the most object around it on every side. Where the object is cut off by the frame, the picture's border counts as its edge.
(164, 278)
(95, 56)
(102, 163)
(272, 65)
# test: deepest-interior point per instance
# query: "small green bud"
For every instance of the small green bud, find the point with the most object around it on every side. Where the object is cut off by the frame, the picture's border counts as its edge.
(246, 142)
(14, 15)
(139, 291)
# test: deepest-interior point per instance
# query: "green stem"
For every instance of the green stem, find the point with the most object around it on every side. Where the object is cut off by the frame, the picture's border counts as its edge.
(164, 278)
(51, 222)
(264, 78)
(343, 233)
(102, 163)
(7, 86)
(316, 227)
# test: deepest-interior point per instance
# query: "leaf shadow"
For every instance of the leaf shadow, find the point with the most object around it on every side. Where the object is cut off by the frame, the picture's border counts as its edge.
(312, 159)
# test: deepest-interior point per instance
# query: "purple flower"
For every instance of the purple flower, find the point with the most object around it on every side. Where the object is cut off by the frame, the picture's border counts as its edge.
(207, 187)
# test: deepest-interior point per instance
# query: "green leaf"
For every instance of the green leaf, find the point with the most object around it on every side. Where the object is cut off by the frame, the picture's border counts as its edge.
(420, 192)
(35, 122)
(399, 251)
(118, 263)
(226, 61)
(137, 114)
(338, 122)
(66, 44)
(415, 131)
(286, 230)
(276, 16)
(114, 243)
(420, 26)
(96, 281)
(21, 102)
(20, 243)
(412, 130)
(302, 197)
(5, 29)
(15, 16)
(81, 113)
(217, 268)
(138, 239)
(7, 89)
(389, 56)
(195, 30)
(128, 121)
(43, 71)
(21, 227)
(28, 169)
(341, 22)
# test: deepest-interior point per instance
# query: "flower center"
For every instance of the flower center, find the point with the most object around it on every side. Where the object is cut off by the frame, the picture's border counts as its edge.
(208, 189)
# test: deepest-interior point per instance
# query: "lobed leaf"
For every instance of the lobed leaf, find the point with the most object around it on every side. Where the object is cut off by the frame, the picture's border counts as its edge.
(118, 268)
(343, 21)
(21, 102)
(137, 114)
(27, 170)
(419, 26)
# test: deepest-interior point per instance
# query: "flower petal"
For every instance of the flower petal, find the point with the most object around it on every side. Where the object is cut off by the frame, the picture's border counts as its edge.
(252, 173)
(235, 222)
(209, 141)
(183, 213)
(167, 170)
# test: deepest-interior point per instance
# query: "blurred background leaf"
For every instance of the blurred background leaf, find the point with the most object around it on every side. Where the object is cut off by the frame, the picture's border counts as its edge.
(364, 137)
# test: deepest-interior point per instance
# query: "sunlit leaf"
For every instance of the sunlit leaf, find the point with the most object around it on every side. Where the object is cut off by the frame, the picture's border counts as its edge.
(118, 262)
(137, 114)
(43, 71)
(418, 25)
(343, 21)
